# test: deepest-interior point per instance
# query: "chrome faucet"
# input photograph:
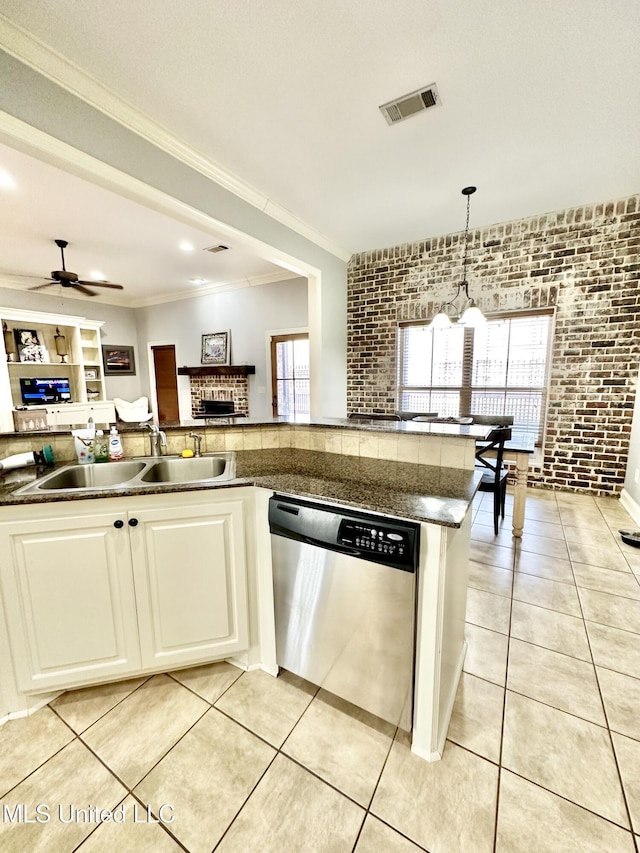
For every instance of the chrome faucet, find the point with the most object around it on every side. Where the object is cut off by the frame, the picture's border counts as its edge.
(197, 439)
(157, 438)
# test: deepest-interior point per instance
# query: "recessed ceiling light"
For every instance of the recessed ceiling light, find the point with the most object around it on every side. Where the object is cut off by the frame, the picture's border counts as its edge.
(96, 275)
(186, 246)
(6, 180)
(198, 280)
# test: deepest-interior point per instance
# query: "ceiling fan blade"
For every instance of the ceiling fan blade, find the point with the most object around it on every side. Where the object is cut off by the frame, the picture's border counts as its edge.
(85, 290)
(24, 275)
(102, 284)
(40, 286)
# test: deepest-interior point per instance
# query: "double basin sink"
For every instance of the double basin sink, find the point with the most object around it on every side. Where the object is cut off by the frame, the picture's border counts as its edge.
(130, 473)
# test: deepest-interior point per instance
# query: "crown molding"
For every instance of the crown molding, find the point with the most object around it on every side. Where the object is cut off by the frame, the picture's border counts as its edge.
(46, 61)
(209, 289)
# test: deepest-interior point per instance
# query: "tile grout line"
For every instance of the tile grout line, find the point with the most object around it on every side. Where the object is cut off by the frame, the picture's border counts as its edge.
(606, 717)
(504, 701)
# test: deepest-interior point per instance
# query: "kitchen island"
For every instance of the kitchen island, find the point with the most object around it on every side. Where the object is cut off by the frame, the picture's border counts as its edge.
(437, 496)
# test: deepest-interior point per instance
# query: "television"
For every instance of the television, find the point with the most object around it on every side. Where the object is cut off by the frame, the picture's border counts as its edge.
(36, 392)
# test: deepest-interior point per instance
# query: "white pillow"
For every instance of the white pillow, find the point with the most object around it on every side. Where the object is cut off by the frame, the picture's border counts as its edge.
(130, 412)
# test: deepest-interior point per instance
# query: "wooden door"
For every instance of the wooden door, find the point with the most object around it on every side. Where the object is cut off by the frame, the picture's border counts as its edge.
(164, 362)
(290, 392)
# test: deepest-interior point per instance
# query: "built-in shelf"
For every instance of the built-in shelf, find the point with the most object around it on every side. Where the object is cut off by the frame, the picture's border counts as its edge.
(217, 370)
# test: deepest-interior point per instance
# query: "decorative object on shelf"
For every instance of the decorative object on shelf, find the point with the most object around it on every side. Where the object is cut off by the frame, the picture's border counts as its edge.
(29, 346)
(470, 315)
(9, 344)
(216, 348)
(118, 361)
(91, 374)
(61, 346)
(92, 394)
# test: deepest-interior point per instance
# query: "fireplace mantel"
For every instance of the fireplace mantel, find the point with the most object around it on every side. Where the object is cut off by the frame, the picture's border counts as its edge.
(217, 370)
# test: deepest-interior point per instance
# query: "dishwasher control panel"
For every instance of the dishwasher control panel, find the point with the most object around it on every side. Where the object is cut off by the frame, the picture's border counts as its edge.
(378, 540)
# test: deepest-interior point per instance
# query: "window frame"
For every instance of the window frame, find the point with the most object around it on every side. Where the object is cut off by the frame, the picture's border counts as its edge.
(466, 389)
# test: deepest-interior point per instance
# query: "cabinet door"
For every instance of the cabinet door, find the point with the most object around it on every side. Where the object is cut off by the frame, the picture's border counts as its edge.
(190, 579)
(67, 589)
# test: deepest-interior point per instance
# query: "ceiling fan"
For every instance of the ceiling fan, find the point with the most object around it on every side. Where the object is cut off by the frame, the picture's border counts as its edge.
(70, 279)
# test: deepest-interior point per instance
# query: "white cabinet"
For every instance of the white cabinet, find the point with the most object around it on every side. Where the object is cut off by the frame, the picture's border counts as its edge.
(123, 586)
(81, 365)
(69, 601)
(190, 582)
(79, 413)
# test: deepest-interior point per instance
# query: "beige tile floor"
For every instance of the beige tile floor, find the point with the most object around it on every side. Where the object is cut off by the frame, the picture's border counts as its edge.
(543, 751)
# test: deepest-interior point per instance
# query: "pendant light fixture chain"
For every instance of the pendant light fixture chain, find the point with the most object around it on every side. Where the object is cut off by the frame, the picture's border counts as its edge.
(470, 314)
(468, 191)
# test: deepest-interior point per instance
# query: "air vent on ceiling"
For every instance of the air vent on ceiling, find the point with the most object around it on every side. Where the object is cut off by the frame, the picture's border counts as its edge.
(411, 104)
(218, 248)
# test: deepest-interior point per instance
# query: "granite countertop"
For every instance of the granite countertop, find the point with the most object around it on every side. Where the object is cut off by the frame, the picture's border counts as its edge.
(442, 428)
(403, 489)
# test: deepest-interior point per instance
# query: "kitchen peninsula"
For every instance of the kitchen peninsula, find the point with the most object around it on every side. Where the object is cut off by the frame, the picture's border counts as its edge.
(422, 472)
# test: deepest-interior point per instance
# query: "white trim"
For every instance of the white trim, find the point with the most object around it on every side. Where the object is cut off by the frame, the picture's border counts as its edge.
(631, 506)
(48, 62)
(219, 287)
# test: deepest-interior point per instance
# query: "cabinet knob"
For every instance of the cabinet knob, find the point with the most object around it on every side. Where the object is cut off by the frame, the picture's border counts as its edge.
(133, 522)
(119, 523)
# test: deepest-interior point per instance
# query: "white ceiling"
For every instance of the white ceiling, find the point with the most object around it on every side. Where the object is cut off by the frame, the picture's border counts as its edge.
(127, 243)
(540, 105)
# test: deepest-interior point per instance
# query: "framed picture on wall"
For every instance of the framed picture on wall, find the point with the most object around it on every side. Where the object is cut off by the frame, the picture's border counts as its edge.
(216, 348)
(118, 361)
(29, 347)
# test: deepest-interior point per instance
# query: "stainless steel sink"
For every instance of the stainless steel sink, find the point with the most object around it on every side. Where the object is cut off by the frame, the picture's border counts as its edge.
(186, 470)
(92, 476)
(134, 473)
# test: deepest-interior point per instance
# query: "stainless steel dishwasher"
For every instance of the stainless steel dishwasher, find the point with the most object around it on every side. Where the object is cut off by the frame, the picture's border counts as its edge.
(345, 593)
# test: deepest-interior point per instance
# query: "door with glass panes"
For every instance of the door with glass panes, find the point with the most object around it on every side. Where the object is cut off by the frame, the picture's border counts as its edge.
(290, 374)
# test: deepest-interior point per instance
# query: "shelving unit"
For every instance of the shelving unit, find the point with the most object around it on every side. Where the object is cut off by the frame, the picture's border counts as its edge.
(84, 354)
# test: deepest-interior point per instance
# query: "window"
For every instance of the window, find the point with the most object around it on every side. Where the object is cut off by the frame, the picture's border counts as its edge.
(290, 374)
(499, 368)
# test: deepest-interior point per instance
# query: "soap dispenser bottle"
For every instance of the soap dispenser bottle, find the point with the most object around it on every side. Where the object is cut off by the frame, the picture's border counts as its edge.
(115, 446)
(101, 450)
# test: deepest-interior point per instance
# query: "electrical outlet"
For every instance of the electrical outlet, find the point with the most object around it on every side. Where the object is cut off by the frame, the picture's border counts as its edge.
(636, 476)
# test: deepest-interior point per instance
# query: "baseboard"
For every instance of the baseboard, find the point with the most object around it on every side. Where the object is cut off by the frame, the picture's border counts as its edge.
(27, 712)
(631, 506)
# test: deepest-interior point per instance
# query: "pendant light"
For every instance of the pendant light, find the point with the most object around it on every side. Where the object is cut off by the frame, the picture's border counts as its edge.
(469, 315)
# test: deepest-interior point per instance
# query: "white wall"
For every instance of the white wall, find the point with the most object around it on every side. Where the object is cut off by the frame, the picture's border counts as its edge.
(248, 312)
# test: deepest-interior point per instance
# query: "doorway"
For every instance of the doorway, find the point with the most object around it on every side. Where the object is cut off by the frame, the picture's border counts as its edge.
(290, 394)
(166, 377)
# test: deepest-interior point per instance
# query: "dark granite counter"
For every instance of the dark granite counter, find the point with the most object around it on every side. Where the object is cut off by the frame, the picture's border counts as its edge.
(419, 492)
(448, 428)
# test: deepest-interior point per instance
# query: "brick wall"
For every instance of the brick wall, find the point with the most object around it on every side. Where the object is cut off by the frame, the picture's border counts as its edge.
(584, 262)
(235, 388)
